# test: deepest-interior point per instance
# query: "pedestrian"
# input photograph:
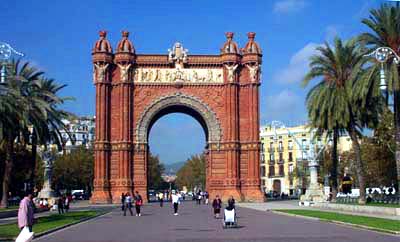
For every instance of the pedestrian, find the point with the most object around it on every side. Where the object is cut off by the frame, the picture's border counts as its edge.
(161, 198)
(207, 196)
(231, 203)
(66, 203)
(138, 203)
(60, 205)
(217, 204)
(26, 212)
(175, 202)
(122, 201)
(128, 203)
(199, 197)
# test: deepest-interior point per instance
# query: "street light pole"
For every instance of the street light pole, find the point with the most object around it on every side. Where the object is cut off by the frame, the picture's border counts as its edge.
(313, 193)
(383, 55)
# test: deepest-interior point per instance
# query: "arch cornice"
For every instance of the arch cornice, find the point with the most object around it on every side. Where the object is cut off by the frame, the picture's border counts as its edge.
(180, 99)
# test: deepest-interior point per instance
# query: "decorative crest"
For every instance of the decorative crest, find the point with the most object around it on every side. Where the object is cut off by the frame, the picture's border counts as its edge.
(178, 54)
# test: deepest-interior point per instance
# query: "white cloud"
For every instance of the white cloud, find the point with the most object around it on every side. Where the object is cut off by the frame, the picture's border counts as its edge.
(285, 106)
(298, 65)
(288, 6)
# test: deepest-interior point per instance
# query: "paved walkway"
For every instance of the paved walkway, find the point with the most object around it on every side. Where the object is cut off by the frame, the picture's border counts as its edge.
(195, 223)
(294, 204)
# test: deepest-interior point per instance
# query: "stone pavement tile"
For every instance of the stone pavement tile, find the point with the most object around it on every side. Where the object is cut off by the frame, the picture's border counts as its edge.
(196, 223)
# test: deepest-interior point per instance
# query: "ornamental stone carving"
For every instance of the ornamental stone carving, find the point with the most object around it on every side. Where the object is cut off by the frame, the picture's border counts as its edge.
(254, 71)
(177, 54)
(209, 117)
(231, 72)
(163, 75)
(101, 71)
(124, 72)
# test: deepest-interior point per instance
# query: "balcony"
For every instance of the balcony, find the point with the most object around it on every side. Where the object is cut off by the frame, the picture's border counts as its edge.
(305, 147)
(271, 162)
(280, 149)
(271, 149)
(281, 161)
(290, 148)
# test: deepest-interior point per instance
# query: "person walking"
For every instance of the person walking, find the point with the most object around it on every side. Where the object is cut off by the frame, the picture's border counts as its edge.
(199, 197)
(60, 205)
(217, 204)
(231, 203)
(123, 201)
(66, 204)
(207, 196)
(138, 203)
(128, 203)
(26, 212)
(161, 198)
(175, 202)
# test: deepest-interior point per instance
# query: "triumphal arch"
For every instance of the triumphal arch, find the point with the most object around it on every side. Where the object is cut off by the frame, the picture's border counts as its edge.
(134, 90)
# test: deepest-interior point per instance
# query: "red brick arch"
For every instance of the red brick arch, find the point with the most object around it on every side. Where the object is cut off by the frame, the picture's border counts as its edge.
(134, 90)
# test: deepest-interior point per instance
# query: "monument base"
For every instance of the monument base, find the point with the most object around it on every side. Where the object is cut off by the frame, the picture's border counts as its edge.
(252, 195)
(313, 195)
(101, 197)
(47, 193)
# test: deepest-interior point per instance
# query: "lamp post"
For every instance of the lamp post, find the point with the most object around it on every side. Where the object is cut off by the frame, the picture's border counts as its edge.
(6, 52)
(383, 55)
(314, 193)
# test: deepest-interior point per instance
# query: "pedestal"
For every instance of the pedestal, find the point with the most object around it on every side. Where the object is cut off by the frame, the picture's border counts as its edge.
(314, 192)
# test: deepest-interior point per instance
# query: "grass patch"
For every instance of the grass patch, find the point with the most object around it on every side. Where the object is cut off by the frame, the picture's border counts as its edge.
(10, 231)
(374, 204)
(376, 223)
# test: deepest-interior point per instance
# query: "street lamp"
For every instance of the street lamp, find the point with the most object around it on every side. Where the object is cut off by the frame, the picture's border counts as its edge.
(5, 54)
(313, 193)
(383, 55)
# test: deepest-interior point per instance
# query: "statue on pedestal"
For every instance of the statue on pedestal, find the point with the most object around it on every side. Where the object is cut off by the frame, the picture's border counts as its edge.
(47, 191)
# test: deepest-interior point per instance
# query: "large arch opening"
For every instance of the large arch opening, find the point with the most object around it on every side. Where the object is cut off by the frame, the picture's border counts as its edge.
(177, 146)
(187, 105)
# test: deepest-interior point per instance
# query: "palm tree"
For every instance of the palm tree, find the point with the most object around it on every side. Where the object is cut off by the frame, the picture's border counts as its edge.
(37, 110)
(384, 24)
(332, 106)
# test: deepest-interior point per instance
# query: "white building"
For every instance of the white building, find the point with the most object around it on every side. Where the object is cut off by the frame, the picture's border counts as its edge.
(81, 133)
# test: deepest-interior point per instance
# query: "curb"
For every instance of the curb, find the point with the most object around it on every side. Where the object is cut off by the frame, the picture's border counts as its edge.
(396, 233)
(68, 225)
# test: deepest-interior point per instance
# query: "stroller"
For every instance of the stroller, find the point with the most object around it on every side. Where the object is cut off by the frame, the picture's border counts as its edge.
(230, 219)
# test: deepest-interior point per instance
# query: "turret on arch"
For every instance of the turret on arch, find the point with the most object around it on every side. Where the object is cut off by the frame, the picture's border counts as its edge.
(134, 90)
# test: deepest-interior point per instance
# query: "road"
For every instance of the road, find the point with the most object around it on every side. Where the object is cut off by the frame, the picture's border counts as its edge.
(195, 223)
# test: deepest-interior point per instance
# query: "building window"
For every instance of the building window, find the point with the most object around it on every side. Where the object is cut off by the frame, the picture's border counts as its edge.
(262, 171)
(271, 157)
(290, 156)
(271, 171)
(290, 168)
(280, 157)
(290, 145)
(281, 170)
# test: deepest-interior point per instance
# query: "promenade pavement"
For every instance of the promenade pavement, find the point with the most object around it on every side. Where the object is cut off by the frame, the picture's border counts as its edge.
(195, 223)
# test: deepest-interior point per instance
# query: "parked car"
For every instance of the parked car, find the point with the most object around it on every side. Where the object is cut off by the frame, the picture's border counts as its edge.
(78, 196)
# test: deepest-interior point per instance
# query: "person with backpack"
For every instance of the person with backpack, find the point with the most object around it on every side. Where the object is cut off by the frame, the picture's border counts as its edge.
(138, 203)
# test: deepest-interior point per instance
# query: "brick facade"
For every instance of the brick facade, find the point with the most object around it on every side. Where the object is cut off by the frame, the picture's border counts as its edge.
(126, 110)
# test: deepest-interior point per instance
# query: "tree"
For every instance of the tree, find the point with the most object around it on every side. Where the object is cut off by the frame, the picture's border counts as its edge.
(332, 104)
(74, 170)
(193, 173)
(384, 24)
(155, 170)
(28, 107)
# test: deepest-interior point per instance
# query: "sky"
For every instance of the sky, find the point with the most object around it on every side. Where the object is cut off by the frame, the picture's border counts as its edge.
(57, 37)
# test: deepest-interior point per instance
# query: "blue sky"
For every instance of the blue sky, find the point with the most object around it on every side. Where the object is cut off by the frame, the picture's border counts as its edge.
(57, 37)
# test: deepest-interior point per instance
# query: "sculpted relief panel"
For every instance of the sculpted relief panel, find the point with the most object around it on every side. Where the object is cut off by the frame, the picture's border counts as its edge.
(151, 75)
